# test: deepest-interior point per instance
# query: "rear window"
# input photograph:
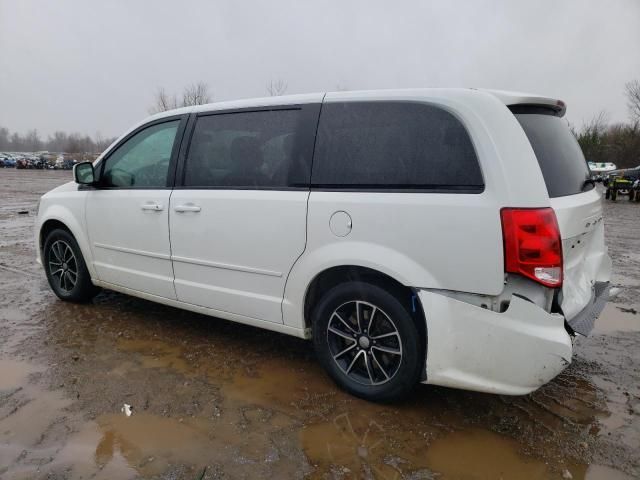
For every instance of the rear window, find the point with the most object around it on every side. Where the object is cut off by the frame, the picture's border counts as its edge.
(393, 145)
(563, 165)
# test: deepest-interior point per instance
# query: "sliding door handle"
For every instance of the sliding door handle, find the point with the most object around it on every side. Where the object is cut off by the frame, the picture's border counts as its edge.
(188, 207)
(156, 207)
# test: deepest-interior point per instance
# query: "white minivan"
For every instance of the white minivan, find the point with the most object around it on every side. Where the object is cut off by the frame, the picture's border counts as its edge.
(448, 236)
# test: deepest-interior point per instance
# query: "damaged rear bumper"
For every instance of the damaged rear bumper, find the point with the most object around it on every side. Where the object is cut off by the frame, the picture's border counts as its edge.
(512, 353)
(584, 321)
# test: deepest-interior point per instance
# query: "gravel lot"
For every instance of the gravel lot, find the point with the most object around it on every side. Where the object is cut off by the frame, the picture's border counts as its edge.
(213, 399)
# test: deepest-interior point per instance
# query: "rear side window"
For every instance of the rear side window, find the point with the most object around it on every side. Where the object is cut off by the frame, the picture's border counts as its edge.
(561, 160)
(393, 145)
(247, 150)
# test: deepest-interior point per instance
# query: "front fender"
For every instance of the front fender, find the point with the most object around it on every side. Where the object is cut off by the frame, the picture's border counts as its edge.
(72, 216)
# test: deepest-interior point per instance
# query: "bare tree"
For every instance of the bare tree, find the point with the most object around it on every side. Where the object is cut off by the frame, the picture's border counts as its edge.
(57, 142)
(632, 90)
(5, 143)
(196, 94)
(32, 141)
(163, 102)
(277, 87)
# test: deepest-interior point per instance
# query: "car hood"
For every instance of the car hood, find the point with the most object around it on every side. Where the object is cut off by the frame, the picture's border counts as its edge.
(66, 187)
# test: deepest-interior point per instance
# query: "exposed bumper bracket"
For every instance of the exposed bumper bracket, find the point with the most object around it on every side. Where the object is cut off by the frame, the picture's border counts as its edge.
(584, 321)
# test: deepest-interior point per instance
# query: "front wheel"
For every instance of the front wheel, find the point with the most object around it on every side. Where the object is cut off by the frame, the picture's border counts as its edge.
(65, 268)
(367, 341)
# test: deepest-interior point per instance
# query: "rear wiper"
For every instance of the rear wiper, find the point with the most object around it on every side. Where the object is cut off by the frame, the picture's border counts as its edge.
(588, 181)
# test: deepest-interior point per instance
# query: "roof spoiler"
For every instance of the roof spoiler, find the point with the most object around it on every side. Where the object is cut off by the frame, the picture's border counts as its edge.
(512, 99)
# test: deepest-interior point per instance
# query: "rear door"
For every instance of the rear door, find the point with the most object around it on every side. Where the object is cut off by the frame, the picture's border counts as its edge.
(576, 201)
(238, 212)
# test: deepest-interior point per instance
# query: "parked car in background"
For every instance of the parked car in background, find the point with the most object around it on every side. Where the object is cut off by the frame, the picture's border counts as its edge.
(7, 161)
(600, 169)
(623, 182)
(449, 236)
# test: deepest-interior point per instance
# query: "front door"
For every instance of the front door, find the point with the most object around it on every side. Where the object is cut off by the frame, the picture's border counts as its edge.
(127, 214)
(238, 219)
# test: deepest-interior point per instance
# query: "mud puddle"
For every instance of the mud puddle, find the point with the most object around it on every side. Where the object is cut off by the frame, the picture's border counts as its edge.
(238, 402)
(616, 318)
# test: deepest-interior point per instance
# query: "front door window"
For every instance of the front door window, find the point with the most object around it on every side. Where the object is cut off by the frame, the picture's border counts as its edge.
(143, 160)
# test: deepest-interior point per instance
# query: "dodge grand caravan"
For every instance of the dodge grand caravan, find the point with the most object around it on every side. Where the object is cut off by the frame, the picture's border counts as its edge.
(448, 236)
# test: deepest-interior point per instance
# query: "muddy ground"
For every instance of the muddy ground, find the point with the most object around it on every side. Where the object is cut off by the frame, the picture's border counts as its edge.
(213, 399)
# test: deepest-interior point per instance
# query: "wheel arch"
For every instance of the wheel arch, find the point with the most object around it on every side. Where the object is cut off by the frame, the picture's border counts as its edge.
(49, 226)
(332, 276)
(59, 218)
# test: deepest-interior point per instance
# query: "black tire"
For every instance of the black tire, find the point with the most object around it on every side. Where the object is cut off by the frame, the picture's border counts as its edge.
(61, 257)
(614, 194)
(376, 374)
(607, 193)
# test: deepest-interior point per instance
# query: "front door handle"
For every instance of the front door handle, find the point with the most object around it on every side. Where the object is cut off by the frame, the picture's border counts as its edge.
(188, 207)
(156, 207)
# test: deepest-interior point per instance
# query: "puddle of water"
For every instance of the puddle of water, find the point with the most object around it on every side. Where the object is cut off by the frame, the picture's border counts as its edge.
(142, 444)
(601, 472)
(26, 425)
(27, 411)
(480, 454)
(612, 319)
(147, 445)
(277, 383)
(359, 446)
(359, 449)
(13, 374)
(620, 416)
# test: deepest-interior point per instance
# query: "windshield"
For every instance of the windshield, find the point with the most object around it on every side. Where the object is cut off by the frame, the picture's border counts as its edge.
(561, 160)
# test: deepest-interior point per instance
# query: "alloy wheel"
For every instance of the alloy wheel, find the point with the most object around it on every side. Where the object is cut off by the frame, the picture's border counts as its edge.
(63, 265)
(364, 343)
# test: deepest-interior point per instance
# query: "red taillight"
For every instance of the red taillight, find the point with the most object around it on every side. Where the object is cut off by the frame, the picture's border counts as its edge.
(532, 245)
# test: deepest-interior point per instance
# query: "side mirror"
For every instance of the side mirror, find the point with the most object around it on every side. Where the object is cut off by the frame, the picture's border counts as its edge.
(83, 173)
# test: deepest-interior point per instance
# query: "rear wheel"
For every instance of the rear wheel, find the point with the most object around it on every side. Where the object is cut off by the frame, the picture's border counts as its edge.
(614, 194)
(65, 268)
(367, 341)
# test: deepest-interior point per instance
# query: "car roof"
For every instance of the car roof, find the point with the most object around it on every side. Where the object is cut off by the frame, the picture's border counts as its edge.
(509, 98)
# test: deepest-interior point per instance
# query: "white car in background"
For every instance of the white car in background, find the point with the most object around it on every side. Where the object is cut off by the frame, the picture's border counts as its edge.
(449, 236)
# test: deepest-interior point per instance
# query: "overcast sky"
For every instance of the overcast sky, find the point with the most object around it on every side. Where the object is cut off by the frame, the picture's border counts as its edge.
(93, 66)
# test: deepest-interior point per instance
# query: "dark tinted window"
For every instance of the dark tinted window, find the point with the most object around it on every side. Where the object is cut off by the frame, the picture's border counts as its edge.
(561, 160)
(393, 145)
(246, 149)
(143, 160)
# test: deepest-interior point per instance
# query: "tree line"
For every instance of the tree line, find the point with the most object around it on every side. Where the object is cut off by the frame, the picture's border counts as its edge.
(600, 140)
(617, 143)
(57, 142)
(200, 94)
